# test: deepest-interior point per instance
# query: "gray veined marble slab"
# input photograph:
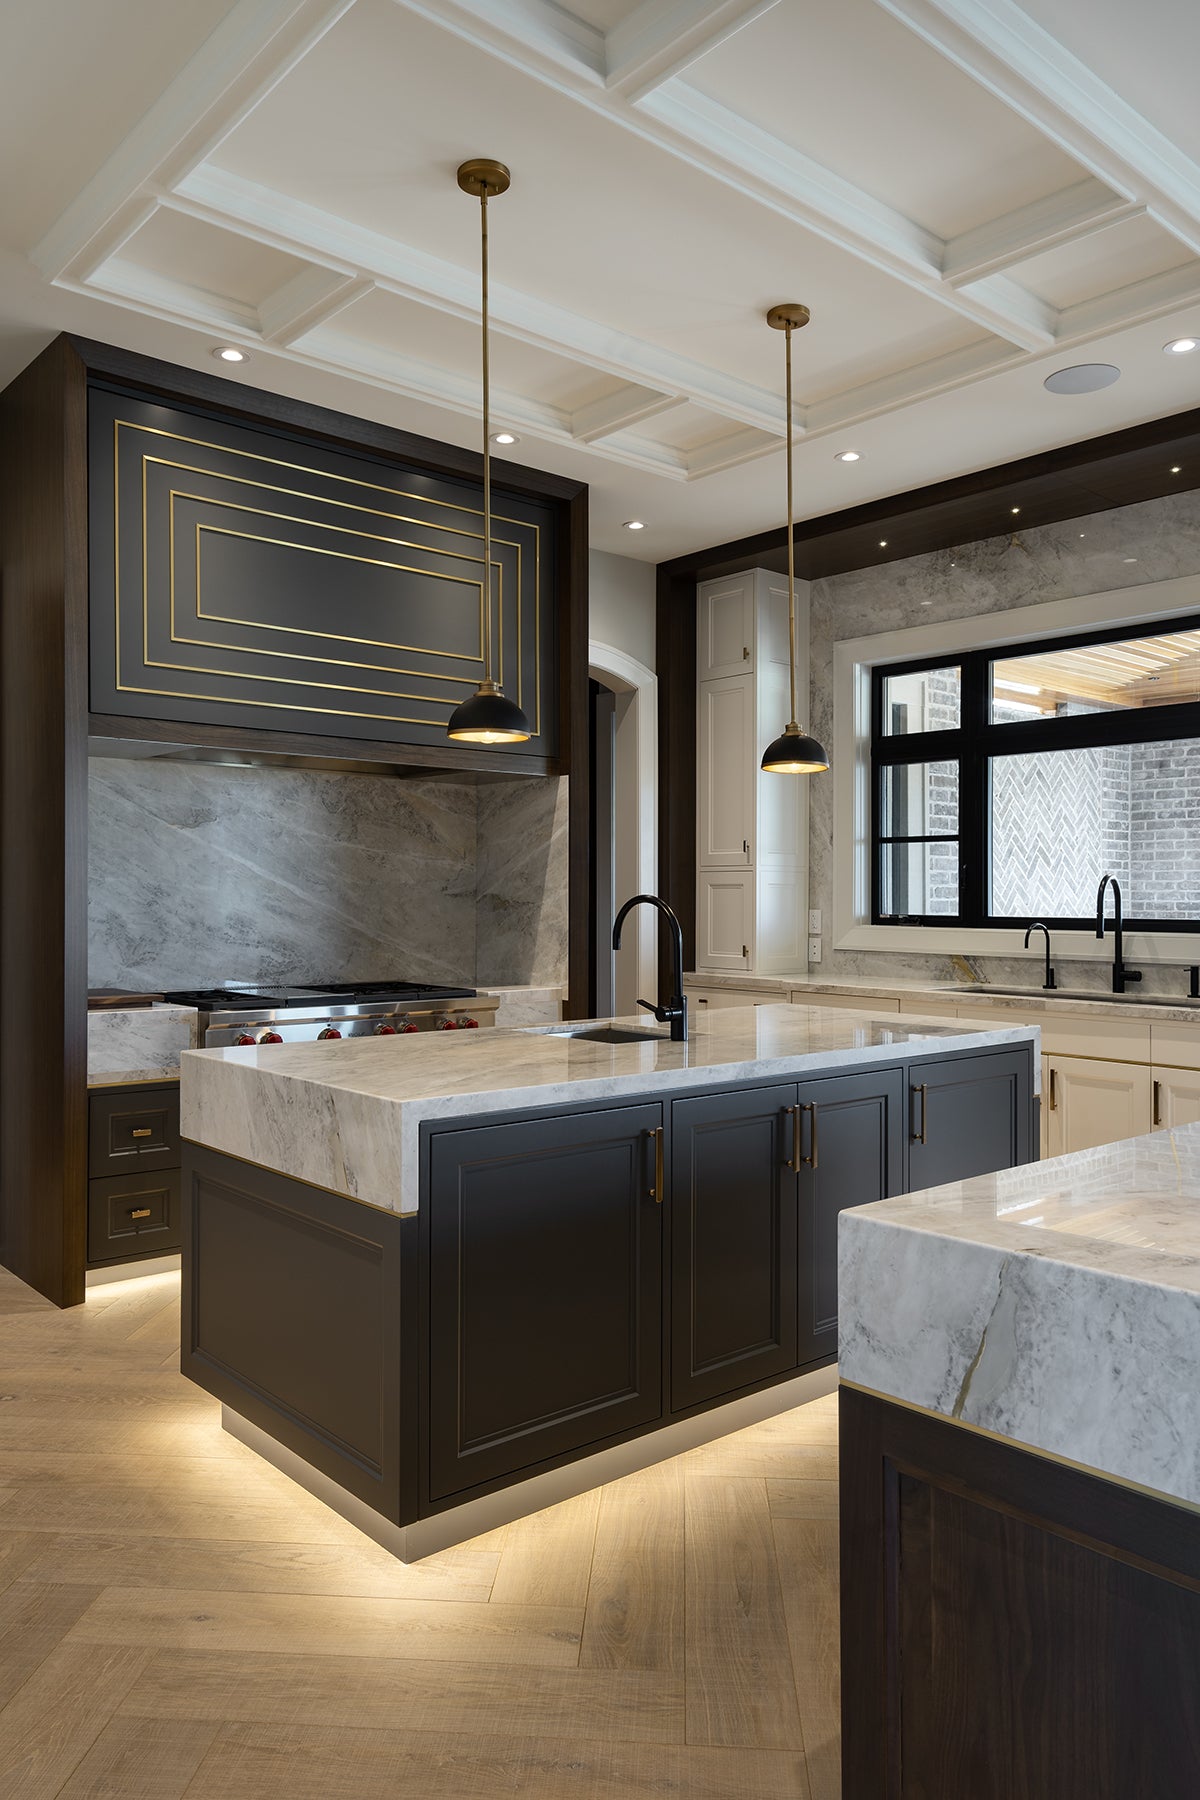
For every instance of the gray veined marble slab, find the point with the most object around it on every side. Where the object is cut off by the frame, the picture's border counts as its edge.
(138, 1043)
(1056, 1304)
(347, 1114)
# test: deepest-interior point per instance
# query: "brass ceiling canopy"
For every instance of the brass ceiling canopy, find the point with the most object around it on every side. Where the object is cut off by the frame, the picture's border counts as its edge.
(793, 752)
(487, 717)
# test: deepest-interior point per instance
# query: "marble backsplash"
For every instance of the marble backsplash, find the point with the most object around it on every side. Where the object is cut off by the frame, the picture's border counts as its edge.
(200, 872)
(1087, 555)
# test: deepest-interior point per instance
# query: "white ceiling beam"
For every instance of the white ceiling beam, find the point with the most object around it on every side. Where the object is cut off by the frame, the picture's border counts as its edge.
(903, 387)
(1000, 297)
(249, 53)
(229, 200)
(179, 301)
(1000, 47)
(1062, 218)
(728, 452)
(660, 38)
(1132, 305)
(630, 405)
(533, 35)
(309, 299)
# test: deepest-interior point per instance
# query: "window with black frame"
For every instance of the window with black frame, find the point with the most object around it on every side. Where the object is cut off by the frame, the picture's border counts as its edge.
(1006, 782)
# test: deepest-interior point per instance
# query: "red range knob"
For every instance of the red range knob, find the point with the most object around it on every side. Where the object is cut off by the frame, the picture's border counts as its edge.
(330, 1031)
(244, 1037)
(385, 1031)
(468, 1024)
(270, 1037)
(408, 1026)
(447, 1024)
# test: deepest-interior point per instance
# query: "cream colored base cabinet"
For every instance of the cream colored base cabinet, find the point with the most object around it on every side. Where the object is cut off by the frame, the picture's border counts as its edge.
(725, 920)
(1176, 1098)
(1088, 1102)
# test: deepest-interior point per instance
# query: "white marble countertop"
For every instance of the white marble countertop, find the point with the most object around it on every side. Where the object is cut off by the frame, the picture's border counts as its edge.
(1036, 1004)
(1056, 1304)
(346, 1114)
(138, 1043)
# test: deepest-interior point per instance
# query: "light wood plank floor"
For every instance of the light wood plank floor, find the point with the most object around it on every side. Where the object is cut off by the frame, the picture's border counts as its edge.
(177, 1619)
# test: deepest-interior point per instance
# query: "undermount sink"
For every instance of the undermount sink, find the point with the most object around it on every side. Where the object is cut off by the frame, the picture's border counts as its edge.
(980, 991)
(614, 1034)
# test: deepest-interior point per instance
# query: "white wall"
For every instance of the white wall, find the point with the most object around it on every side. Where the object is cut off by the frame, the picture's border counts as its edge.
(621, 604)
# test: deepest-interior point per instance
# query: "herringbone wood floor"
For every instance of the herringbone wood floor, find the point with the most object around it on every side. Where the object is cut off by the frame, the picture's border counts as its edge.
(176, 1618)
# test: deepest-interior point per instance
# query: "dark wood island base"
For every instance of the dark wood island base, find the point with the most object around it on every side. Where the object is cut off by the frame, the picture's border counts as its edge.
(1013, 1627)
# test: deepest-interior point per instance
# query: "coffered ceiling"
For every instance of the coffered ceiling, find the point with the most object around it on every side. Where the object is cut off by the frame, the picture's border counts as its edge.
(967, 194)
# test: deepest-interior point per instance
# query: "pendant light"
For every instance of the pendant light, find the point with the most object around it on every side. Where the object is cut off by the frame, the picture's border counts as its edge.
(487, 717)
(793, 753)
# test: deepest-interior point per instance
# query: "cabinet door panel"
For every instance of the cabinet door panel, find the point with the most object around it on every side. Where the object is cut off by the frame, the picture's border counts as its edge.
(725, 627)
(969, 1115)
(726, 775)
(1176, 1098)
(733, 1232)
(1092, 1102)
(725, 926)
(852, 1143)
(545, 1291)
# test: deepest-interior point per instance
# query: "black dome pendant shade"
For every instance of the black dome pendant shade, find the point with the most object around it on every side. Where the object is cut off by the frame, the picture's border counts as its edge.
(487, 717)
(794, 752)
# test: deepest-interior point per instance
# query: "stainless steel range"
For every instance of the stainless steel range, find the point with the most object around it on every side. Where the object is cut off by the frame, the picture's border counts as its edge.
(241, 1013)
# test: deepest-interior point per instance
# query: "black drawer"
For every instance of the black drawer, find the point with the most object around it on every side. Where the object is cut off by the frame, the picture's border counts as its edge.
(133, 1215)
(134, 1128)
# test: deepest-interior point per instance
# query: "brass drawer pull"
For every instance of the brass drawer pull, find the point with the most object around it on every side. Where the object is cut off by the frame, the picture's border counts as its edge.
(656, 1192)
(139, 1212)
(922, 1089)
(1053, 1090)
(143, 1131)
(1156, 1114)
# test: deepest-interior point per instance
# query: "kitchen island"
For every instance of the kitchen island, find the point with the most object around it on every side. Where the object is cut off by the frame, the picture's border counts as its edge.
(1020, 1476)
(445, 1280)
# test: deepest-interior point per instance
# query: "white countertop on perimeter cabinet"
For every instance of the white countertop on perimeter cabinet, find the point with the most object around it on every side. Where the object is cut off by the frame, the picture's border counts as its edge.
(1057, 1305)
(138, 1043)
(346, 1114)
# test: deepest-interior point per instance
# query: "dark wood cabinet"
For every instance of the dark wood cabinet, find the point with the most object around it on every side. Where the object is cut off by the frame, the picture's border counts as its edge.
(242, 577)
(544, 1291)
(969, 1115)
(851, 1152)
(134, 1156)
(733, 1242)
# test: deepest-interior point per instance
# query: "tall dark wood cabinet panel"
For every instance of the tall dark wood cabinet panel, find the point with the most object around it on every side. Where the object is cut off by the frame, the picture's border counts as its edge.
(545, 1292)
(43, 821)
(851, 1153)
(733, 1242)
(969, 1115)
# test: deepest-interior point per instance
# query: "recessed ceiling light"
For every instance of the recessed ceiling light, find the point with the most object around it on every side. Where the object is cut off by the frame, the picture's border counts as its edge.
(1129, 559)
(1181, 346)
(883, 543)
(1083, 534)
(635, 525)
(230, 353)
(505, 437)
(848, 456)
(1016, 509)
(1082, 378)
(1176, 469)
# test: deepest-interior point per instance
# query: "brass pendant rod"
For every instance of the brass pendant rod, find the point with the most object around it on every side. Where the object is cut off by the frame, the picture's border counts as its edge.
(487, 453)
(791, 546)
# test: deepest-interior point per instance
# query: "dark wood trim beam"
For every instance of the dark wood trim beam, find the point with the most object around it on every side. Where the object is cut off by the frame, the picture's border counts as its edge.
(574, 737)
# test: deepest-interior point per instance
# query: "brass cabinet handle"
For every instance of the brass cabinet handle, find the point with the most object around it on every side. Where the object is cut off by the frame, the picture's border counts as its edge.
(139, 1212)
(921, 1088)
(656, 1192)
(1053, 1089)
(1156, 1109)
(799, 1161)
(143, 1131)
(796, 1161)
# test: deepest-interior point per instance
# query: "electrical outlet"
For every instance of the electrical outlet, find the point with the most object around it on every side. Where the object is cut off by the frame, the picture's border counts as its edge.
(814, 949)
(814, 920)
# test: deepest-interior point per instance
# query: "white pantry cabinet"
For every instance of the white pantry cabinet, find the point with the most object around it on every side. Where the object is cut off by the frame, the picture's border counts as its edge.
(751, 828)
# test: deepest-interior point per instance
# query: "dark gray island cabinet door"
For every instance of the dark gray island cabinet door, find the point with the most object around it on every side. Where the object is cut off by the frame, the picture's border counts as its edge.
(733, 1242)
(969, 1115)
(545, 1291)
(851, 1153)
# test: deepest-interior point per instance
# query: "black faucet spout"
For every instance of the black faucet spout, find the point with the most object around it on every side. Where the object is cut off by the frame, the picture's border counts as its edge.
(1037, 925)
(1120, 973)
(674, 1011)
